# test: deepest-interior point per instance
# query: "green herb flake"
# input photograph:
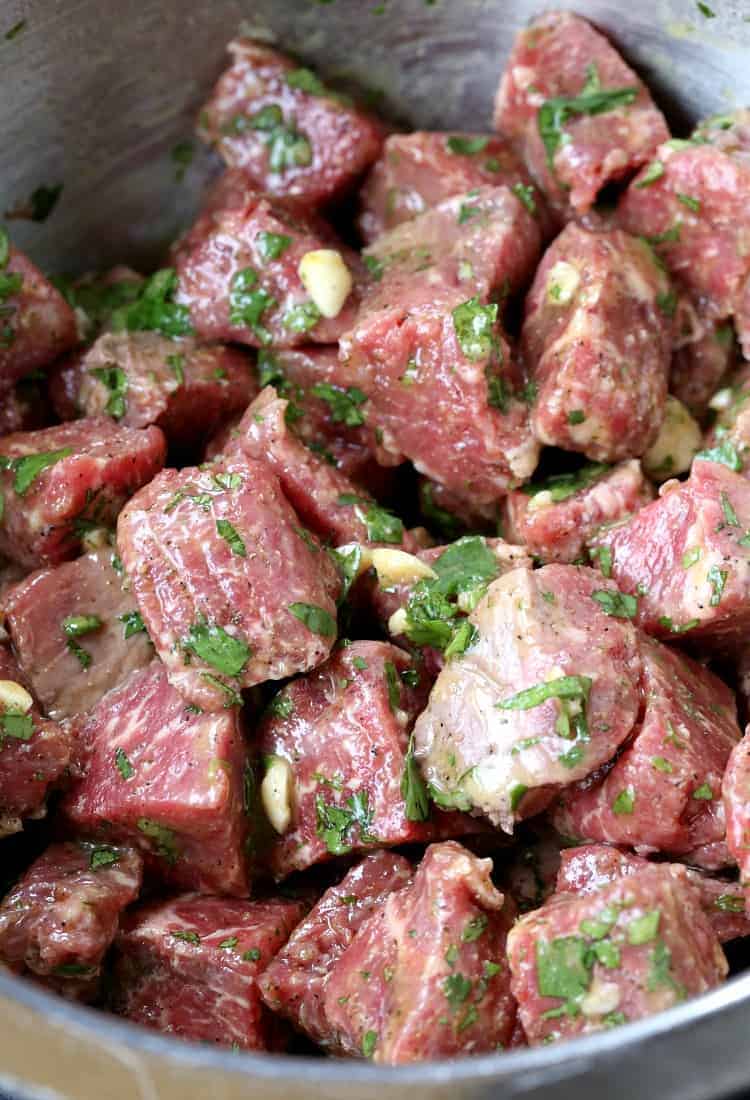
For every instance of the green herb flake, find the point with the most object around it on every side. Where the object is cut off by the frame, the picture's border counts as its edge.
(516, 793)
(704, 9)
(689, 201)
(525, 194)
(334, 824)
(562, 486)
(463, 146)
(691, 556)
(229, 943)
(653, 172)
(602, 555)
(231, 536)
(344, 403)
(619, 605)
(717, 578)
(251, 955)
(15, 30)
(703, 793)
(375, 266)
(369, 1042)
(123, 765)
(154, 308)
(661, 764)
(464, 636)
(725, 452)
(625, 801)
(456, 988)
(165, 840)
(316, 619)
(305, 80)
(730, 903)
(643, 929)
(248, 302)
(281, 706)
(132, 623)
(474, 928)
(217, 648)
(272, 245)
(564, 687)
(103, 856)
(730, 516)
(562, 967)
(413, 788)
(177, 364)
(474, 327)
(27, 468)
(186, 937)
(382, 526)
(302, 317)
(576, 416)
(593, 100)
(16, 725)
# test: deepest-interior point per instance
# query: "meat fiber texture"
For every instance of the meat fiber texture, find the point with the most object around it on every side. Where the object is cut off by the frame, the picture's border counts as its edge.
(702, 357)
(663, 793)
(36, 323)
(590, 868)
(686, 557)
(59, 482)
(425, 975)
(189, 967)
(294, 984)
(427, 348)
(143, 378)
(59, 920)
(579, 115)
(204, 550)
(343, 733)
(587, 963)
(238, 270)
(555, 519)
(167, 780)
(692, 203)
(324, 498)
(279, 124)
(729, 435)
(596, 342)
(326, 415)
(76, 632)
(418, 170)
(34, 756)
(544, 696)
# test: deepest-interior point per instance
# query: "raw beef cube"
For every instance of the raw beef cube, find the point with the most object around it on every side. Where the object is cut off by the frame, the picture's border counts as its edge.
(597, 341)
(729, 435)
(579, 115)
(327, 415)
(189, 967)
(294, 984)
(554, 519)
(692, 204)
(241, 275)
(59, 920)
(588, 869)
(76, 632)
(636, 947)
(418, 170)
(204, 550)
(427, 347)
(168, 780)
(34, 752)
(663, 793)
(686, 556)
(36, 323)
(339, 773)
(426, 975)
(187, 389)
(701, 358)
(323, 497)
(736, 806)
(59, 482)
(285, 130)
(545, 694)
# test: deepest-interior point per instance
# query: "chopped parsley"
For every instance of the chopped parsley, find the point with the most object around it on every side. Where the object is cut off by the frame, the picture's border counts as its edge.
(525, 194)
(177, 364)
(730, 903)
(27, 468)
(717, 578)
(413, 788)
(564, 687)
(281, 706)
(661, 764)
(186, 937)
(464, 146)
(691, 556)
(653, 172)
(133, 623)
(316, 619)
(689, 201)
(344, 403)
(474, 327)
(703, 793)
(643, 929)
(724, 452)
(382, 526)
(154, 308)
(217, 648)
(272, 245)
(302, 317)
(305, 80)
(16, 725)
(625, 801)
(369, 1042)
(603, 556)
(730, 516)
(123, 765)
(335, 824)
(562, 486)
(248, 302)
(232, 537)
(393, 686)
(228, 943)
(165, 840)
(103, 856)
(592, 100)
(77, 626)
(617, 604)
(287, 147)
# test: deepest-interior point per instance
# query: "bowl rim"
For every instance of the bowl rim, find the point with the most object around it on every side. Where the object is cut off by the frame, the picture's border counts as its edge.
(727, 999)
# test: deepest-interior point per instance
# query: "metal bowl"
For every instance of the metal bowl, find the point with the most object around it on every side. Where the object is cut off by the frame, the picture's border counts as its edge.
(96, 94)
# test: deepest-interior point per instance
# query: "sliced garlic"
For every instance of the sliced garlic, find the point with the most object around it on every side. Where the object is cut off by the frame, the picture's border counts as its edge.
(96, 538)
(276, 793)
(563, 281)
(15, 697)
(397, 567)
(540, 500)
(676, 444)
(326, 278)
(397, 622)
(602, 997)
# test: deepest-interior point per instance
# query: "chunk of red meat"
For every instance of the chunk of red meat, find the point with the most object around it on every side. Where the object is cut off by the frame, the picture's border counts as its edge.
(735, 789)
(326, 415)
(686, 556)
(25, 407)
(64, 384)
(638, 946)
(189, 967)
(343, 733)
(34, 756)
(59, 920)
(238, 270)
(663, 793)
(729, 434)
(58, 481)
(294, 984)
(167, 780)
(560, 57)
(204, 550)
(68, 671)
(703, 354)
(426, 347)
(143, 378)
(418, 170)
(284, 129)
(36, 323)
(556, 527)
(588, 869)
(695, 213)
(494, 737)
(596, 341)
(323, 497)
(425, 976)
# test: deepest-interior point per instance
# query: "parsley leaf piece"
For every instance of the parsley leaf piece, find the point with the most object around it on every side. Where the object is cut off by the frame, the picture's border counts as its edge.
(272, 245)
(281, 706)
(643, 929)
(369, 1042)
(603, 556)
(103, 856)
(336, 823)
(133, 624)
(562, 486)
(16, 725)
(154, 308)
(217, 648)
(248, 303)
(122, 763)
(382, 526)
(474, 327)
(302, 317)
(316, 619)
(27, 468)
(525, 194)
(115, 380)
(305, 80)
(617, 604)
(717, 578)
(624, 802)
(703, 793)
(229, 533)
(348, 565)
(593, 100)
(413, 788)
(563, 967)
(344, 403)
(463, 146)
(186, 937)
(393, 686)
(565, 687)
(165, 840)
(654, 172)
(464, 637)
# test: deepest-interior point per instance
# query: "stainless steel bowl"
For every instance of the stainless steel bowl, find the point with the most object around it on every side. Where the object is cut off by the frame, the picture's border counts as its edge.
(96, 94)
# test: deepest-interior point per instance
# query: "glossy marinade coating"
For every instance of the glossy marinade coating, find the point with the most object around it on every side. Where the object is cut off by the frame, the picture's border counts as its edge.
(203, 549)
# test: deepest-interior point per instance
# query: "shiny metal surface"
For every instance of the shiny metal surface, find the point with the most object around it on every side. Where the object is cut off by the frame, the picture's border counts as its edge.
(95, 94)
